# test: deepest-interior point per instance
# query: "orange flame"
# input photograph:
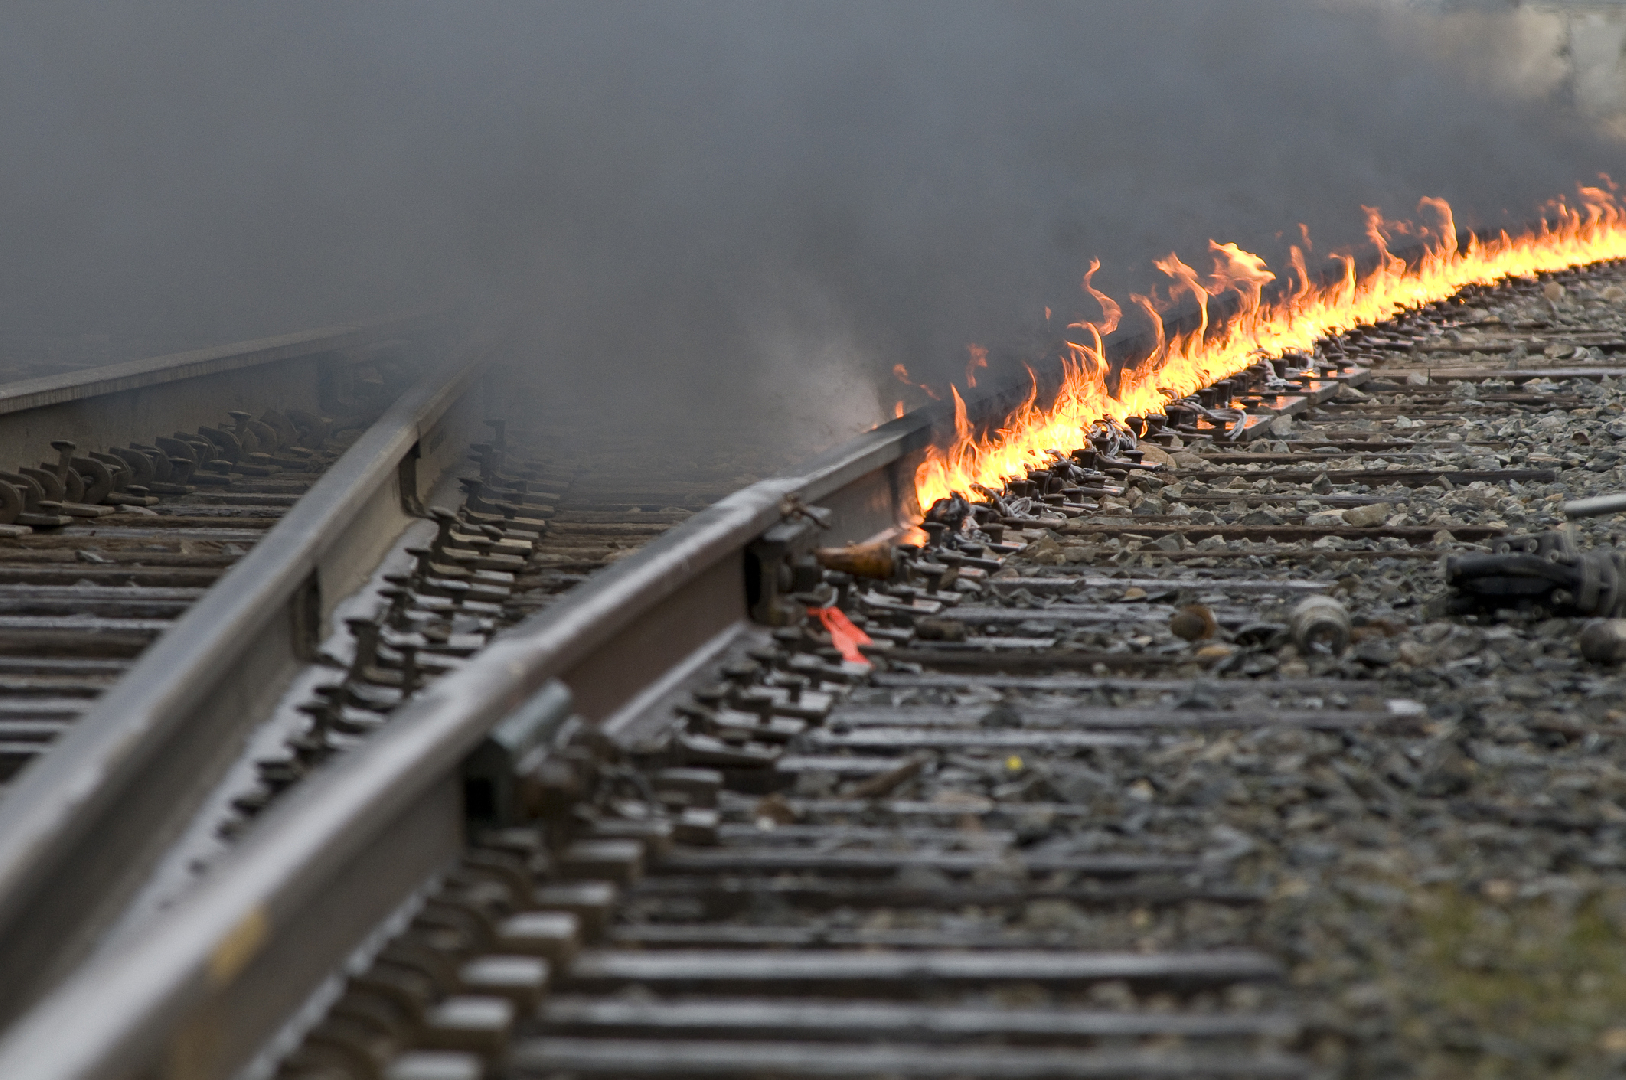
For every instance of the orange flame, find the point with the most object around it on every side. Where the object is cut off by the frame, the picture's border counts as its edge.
(1110, 311)
(979, 359)
(1182, 363)
(901, 373)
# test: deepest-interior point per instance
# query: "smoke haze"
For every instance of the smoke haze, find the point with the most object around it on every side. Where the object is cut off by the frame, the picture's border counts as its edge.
(724, 219)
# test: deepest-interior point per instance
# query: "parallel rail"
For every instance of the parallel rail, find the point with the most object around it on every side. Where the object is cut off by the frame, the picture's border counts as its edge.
(82, 828)
(131, 401)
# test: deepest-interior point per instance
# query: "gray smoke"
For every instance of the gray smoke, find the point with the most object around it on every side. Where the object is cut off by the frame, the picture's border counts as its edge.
(722, 219)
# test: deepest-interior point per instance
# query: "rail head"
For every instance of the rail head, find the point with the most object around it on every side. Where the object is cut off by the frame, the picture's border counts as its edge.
(122, 378)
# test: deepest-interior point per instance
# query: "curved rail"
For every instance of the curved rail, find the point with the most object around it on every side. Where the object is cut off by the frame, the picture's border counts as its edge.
(82, 828)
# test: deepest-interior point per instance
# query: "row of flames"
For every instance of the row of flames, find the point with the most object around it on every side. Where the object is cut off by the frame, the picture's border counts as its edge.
(1570, 235)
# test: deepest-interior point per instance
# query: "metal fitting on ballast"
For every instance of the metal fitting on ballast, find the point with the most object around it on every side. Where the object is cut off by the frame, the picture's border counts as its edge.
(782, 576)
(1542, 568)
(1319, 624)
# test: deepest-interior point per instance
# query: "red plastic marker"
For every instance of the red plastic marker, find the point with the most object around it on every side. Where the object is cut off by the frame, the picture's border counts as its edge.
(843, 634)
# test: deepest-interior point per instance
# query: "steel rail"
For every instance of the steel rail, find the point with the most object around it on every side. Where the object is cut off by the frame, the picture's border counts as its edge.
(81, 829)
(130, 401)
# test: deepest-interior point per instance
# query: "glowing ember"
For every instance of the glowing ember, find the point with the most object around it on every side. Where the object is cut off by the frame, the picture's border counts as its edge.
(1180, 365)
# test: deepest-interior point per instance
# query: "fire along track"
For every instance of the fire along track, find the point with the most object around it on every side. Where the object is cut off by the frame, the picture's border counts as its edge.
(1119, 763)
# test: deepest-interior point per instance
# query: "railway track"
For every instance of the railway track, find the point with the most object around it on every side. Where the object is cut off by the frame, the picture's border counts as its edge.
(1186, 760)
(111, 546)
(158, 478)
